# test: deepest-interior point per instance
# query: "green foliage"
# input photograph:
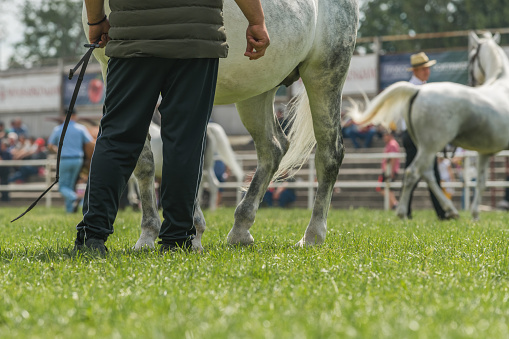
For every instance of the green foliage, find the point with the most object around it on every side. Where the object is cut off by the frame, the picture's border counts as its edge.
(53, 30)
(401, 17)
(376, 277)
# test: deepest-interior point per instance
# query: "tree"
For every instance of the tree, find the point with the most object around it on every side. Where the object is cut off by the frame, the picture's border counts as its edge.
(53, 30)
(400, 17)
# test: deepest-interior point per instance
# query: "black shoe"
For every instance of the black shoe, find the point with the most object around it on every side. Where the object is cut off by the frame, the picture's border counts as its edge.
(93, 244)
(174, 246)
(75, 205)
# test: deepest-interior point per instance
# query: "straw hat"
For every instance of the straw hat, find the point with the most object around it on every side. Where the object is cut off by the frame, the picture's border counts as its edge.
(420, 60)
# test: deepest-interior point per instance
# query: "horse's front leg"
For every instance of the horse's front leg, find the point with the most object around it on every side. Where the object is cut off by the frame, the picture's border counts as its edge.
(271, 144)
(482, 165)
(410, 180)
(150, 222)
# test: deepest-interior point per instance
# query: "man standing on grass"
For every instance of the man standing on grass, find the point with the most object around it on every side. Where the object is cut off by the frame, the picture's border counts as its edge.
(169, 48)
(420, 67)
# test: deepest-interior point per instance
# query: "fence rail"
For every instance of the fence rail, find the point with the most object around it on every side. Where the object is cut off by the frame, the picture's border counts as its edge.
(310, 184)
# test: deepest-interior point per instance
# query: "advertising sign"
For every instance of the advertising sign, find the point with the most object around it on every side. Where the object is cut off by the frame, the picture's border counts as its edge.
(450, 66)
(362, 75)
(92, 90)
(30, 93)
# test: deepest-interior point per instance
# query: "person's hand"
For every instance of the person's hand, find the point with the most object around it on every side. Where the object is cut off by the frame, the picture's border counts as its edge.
(99, 32)
(257, 41)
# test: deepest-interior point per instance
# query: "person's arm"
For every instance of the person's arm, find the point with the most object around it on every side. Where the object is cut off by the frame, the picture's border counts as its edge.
(256, 34)
(98, 31)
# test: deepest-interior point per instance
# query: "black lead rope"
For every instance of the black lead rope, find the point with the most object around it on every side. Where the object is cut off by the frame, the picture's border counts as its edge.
(84, 60)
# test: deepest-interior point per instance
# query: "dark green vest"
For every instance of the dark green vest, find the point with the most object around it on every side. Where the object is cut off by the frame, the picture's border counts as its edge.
(177, 29)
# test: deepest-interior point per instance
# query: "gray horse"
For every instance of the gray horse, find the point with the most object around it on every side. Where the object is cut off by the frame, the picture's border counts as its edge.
(310, 39)
(437, 114)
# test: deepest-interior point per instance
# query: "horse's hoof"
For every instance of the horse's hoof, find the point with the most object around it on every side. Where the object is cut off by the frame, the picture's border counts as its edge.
(142, 244)
(196, 245)
(310, 241)
(451, 215)
(401, 212)
(401, 215)
(240, 238)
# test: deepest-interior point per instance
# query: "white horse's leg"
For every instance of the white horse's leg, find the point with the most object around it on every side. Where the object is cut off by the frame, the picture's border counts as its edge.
(132, 193)
(150, 222)
(325, 105)
(257, 115)
(324, 74)
(208, 170)
(482, 165)
(411, 178)
(448, 207)
(199, 224)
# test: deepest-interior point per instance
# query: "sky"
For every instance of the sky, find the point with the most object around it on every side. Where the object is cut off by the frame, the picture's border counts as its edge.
(11, 29)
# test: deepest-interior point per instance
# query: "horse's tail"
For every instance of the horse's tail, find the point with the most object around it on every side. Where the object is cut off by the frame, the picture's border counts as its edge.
(387, 108)
(225, 151)
(301, 136)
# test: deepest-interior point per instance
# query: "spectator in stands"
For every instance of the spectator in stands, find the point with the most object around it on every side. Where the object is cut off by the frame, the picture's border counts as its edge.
(446, 175)
(282, 120)
(3, 131)
(391, 146)
(12, 140)
(18, 127)
(5, 170)
(222, 173)
(77, 139)
(282, 194)
(24, 173)
(356, 133)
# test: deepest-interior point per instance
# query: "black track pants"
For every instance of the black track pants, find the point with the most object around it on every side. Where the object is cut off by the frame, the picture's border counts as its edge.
(187, 87)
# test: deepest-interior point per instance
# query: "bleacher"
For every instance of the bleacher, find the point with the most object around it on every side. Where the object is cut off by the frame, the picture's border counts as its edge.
(353, 170)
(367, 170)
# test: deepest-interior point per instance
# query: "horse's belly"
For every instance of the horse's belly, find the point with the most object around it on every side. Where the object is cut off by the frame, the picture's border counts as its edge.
(291, 25)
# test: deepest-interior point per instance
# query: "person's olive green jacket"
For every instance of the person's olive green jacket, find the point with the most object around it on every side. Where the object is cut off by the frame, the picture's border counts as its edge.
(178, 29)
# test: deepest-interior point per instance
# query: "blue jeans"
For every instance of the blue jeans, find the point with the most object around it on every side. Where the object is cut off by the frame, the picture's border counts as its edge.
(69, 171)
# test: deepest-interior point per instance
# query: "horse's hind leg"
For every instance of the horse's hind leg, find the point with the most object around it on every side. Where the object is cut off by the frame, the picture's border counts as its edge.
(325, 106)
(422, 166)
(413, 174)
(150, 222)
(482, 164)
(257, 115)
(449, 209)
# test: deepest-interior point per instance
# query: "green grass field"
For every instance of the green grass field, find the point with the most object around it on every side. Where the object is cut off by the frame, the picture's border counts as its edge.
(376, 277)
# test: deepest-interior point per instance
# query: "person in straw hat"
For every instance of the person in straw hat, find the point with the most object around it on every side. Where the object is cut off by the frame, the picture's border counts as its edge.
(420, 67)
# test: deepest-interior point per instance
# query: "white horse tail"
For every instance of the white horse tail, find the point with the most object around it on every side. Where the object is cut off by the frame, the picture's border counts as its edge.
(387, 108)
(225, 151)
(301, 136)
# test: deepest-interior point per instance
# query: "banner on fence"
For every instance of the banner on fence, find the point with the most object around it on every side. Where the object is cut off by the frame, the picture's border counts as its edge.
(362, 75)
(450, 66)
(29, 93)
(92, 90)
